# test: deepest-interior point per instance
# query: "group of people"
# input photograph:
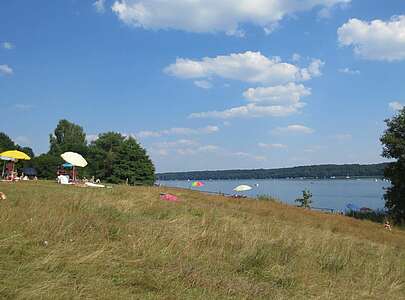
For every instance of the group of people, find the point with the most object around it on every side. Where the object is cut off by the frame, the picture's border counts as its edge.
(10, 174)
(66, 179)
(13, 176)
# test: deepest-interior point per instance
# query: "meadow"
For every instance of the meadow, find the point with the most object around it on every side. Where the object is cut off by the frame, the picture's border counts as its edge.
(68, 242)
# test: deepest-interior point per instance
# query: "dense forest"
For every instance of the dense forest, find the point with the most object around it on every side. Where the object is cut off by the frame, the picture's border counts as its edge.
(317, 171)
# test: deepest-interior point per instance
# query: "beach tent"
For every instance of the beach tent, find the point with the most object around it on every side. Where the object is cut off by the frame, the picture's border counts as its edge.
(197, 184)
(75, 159)
(29, 171)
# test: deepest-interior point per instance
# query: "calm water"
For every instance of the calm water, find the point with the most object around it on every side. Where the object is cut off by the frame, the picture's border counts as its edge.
(333, 194)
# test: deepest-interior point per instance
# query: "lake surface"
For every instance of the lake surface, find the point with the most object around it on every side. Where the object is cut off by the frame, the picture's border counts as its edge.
(333, 194)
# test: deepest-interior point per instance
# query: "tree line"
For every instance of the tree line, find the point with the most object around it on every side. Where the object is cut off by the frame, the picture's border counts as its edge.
(112, 157)
(315, 171)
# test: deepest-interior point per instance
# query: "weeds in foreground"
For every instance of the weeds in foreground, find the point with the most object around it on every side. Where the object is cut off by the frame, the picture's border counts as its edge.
(125, 243)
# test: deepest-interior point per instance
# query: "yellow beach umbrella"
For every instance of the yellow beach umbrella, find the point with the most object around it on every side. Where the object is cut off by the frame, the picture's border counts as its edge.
(15, 154)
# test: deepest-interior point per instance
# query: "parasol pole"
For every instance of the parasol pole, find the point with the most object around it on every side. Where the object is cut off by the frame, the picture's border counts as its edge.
(12, 172)
(4, 167)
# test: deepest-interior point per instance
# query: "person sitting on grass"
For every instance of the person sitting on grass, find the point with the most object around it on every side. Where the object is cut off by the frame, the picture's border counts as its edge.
(387, 225)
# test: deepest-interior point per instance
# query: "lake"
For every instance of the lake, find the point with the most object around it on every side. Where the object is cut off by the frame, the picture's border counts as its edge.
(333, 193)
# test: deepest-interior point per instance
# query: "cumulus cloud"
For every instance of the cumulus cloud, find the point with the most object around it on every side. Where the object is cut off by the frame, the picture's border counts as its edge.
(273, 101)
(99, 6)
(396, 105)
(182, 147)
(293, 129)
(6, 70)
(250, 67)
(296, 57)
(7, 45)
(290, 93)
(204, 84)
(179, 131)
(375, 40)
(251, 110)
(349, 71)
(212, 16)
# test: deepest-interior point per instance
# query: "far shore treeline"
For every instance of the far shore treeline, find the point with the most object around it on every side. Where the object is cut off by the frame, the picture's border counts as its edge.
(315, 171)
(112, 157)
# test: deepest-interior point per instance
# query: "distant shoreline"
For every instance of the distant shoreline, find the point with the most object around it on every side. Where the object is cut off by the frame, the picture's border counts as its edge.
(346, 171)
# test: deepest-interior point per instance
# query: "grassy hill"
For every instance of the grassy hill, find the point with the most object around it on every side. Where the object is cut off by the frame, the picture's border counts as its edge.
(65, 242)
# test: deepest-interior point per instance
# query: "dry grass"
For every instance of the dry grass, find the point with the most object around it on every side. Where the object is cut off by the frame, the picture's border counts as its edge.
(61, 242)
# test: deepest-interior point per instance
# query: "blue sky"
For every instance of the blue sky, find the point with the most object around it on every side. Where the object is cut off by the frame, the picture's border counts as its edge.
(207, 84)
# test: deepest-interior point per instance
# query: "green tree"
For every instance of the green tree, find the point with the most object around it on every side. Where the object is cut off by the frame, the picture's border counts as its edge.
(46, 165)
(305, 201)
(102, 154)
(393, 141)
(132, 164)
(67, 137)
(6, 143)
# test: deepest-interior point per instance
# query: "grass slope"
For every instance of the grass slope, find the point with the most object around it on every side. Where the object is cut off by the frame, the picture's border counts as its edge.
(64, 242)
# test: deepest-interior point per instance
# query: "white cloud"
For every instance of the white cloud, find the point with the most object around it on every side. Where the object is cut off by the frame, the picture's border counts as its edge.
(296, 57)
(274, 101)
(349, 71)
(91, 137)
(293, 129)
(250, 67)
(375, 40)
(272, 146)
(204, 84)
(182, 147)
(250, 156)
(179, 131)
(196, 150)
(396, 105)
(6, 70)
(251, 110)
(212, 16)
(290, 93)
(7, 45)
(22, 140)
(99, 6)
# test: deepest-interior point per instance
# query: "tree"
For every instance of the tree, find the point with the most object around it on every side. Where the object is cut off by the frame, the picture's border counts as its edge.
(132, 164)
(305, 201)
(102, 154)
(67, 137)
(393, 141)
(46, 165)
(6, 143)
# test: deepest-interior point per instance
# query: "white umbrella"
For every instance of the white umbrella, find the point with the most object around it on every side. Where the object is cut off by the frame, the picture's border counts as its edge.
(242, 188)
(74, 159)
